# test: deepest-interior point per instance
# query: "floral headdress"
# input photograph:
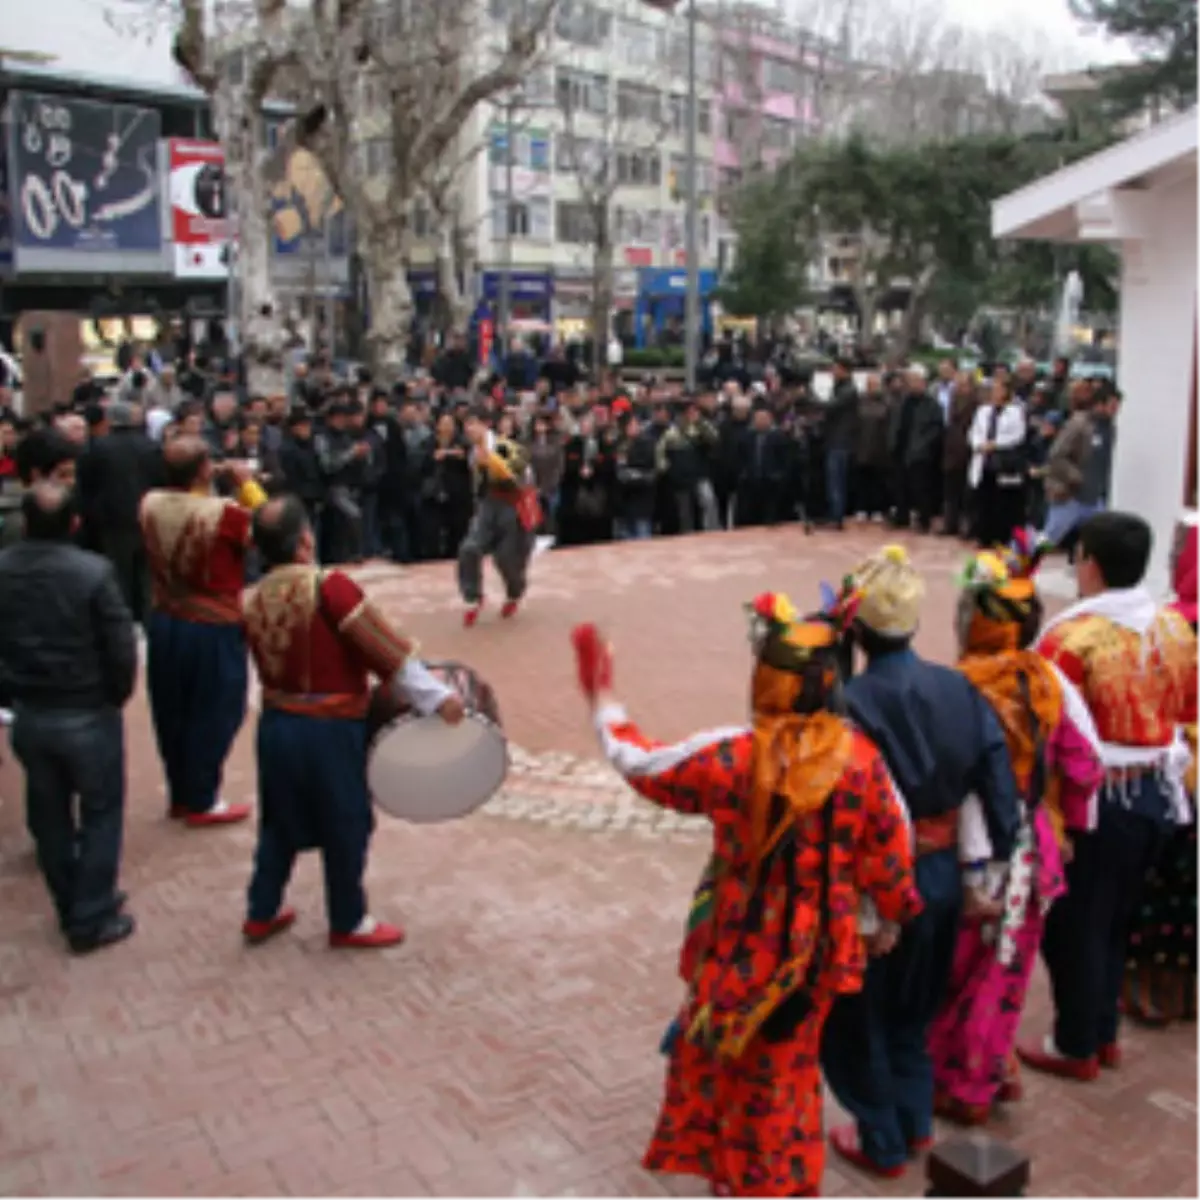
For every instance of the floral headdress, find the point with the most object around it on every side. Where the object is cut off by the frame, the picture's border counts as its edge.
(999, 597)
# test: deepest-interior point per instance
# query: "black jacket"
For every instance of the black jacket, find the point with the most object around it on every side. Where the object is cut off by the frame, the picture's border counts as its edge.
(637, 477)
(66, 636)
(764, 458)
(841, 417)
(302, 470)
(915, 434)
(114, 474)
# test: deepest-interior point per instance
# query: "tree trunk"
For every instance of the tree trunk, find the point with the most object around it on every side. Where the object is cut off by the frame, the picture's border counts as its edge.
(602, 290)
(464, 264)
(259, 321)
(910, 327)
(385, 264)
(450, 291)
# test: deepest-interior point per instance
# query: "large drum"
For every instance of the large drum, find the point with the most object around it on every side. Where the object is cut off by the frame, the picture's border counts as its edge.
(421, 769)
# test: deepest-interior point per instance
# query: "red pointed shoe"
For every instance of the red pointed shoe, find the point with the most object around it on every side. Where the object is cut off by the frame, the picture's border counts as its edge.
(1039, 1058)
(257, 932)
(509, 609)
(471, 616)
(844, 1140)
(918, 1146)
(221, 813)
(1110, 1056)
(958, 1113)
(376, 937)
(1011, 1091)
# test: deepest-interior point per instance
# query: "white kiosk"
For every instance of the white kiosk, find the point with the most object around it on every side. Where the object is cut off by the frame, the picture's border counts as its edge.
(1140, 196)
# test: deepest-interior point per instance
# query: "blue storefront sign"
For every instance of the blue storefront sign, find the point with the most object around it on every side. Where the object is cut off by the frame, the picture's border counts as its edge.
(85, 182)
(662, 297)
(533, 288)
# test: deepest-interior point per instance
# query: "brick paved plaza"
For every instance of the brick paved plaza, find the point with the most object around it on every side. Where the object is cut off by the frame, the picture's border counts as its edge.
(509, 1047)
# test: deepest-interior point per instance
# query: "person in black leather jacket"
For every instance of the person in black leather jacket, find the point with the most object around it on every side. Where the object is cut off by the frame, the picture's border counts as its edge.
(68, 662)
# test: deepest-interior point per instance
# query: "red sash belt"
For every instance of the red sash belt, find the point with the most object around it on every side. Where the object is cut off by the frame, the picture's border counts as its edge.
(329, 705)
(936, 833)
(203, 609)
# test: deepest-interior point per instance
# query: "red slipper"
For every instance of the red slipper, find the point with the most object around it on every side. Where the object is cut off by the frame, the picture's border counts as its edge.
(220, 814)
(382, 935)
(1082, 1070)
(257, 932)
(844, 1140)
(1011, 1090)
(1110, 1056)
(472, 614)
(509, 609)
(919, 1146)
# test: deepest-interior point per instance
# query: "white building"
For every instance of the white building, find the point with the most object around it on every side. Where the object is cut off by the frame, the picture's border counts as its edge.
(1140, 196)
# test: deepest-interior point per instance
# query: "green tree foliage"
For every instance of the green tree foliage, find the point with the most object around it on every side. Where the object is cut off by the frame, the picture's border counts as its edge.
(918, 212)
(1164, 33)
(770, 274)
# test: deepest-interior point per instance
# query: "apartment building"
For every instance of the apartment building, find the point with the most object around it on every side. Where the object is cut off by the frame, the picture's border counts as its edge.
(602, 114)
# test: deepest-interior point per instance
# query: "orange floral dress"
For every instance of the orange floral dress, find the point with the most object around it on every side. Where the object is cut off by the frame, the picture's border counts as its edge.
(742, 1105)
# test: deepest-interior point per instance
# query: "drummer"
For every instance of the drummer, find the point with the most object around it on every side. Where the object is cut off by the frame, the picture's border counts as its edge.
(316, 639)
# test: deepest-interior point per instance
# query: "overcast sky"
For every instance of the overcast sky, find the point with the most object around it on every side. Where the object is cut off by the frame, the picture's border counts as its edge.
(1045, 26)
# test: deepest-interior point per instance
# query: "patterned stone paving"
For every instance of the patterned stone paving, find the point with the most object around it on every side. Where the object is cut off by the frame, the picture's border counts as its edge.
(508, 1048)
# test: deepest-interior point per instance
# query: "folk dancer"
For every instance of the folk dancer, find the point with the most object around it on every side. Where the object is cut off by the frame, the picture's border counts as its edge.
(941, 741)
(316, 639)
(1160, 974)
(1054, 750)
(196, 655)
(805, 822)
(1135, 663)
(507, 515)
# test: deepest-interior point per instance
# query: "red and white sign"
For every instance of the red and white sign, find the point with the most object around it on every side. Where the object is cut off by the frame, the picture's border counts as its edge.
(200, 225)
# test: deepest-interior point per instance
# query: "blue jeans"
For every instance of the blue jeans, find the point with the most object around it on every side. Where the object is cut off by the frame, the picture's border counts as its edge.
(634, 529)
(837, 474)
(65, 755)
(1063, 519)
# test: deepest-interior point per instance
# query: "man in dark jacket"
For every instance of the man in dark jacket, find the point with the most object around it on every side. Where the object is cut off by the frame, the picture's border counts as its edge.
(956, 454)
(915, 448)
(732, 429)
(68, 662)
(841, 421)
(637, 477)
(300, 466)
(115, 472)
(871, 491)
(453, 368)
(762, 473)
(342, 456)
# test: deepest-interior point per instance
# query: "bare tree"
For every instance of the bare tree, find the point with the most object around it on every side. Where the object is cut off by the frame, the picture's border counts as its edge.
(236, 51)
(384, 90)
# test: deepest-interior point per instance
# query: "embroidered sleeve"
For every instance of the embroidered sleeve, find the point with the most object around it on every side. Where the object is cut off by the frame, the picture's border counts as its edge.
(235, 524)
(885, 859)
(703, 774)
(1059, 648)
(363, 626)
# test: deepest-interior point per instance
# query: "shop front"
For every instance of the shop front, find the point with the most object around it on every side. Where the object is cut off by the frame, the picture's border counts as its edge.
(661, 305)
(530, 294)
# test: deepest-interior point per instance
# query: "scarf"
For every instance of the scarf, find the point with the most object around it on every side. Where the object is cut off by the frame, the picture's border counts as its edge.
(799, 760)
(998, 678)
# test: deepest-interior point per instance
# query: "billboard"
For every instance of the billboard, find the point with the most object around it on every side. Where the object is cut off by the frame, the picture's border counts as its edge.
(85, 180)
(305, 211)
(6, 239)
(200, 225)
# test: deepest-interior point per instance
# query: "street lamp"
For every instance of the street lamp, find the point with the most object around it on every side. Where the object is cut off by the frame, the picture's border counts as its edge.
(691, 320)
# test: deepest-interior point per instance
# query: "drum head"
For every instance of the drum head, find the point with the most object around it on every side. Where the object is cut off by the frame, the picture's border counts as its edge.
(423, 770)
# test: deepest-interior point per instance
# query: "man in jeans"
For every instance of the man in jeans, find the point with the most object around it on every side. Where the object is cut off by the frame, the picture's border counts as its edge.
(68, 661)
